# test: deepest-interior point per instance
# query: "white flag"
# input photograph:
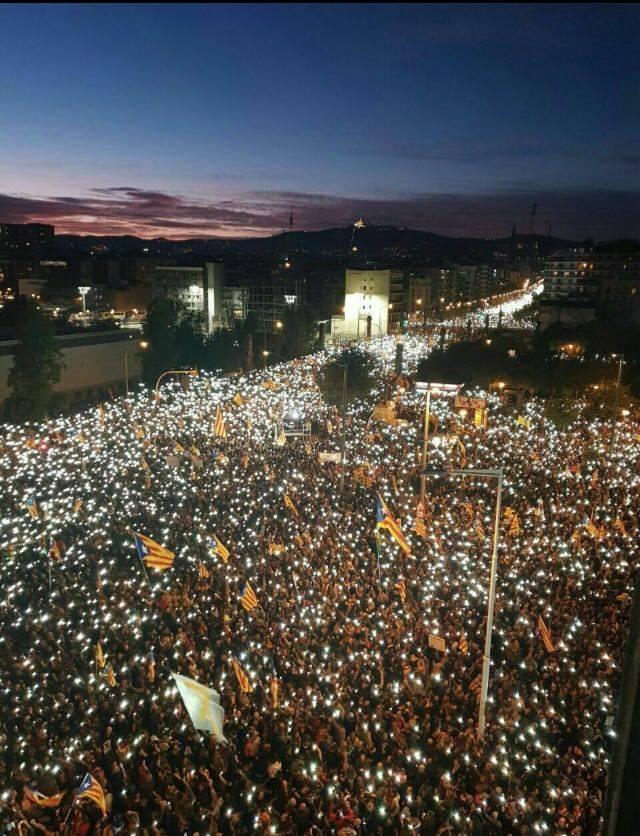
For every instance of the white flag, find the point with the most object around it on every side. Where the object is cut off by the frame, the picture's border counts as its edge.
(203, 705)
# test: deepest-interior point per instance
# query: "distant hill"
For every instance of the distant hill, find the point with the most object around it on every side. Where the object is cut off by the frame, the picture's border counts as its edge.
(376, 242)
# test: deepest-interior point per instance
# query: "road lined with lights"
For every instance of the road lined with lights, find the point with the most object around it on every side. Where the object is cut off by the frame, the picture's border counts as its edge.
(368, 721)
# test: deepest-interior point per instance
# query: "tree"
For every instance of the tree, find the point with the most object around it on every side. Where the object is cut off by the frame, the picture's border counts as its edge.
(360, 375)
(299, 332)
(175, 338)
(37, 363)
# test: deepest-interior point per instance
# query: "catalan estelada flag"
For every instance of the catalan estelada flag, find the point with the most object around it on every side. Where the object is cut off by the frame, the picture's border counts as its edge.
(243, 680)
(203, 572)
(385, 519)
(32, 507)
(153, 554)
(463, 644)
(289, 504)
(91, 789)
(546, 635)
(219, 428)
(217, 549)
(248, 598)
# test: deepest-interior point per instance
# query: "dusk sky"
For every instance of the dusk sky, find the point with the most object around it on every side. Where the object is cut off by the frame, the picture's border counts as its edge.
(193, 121)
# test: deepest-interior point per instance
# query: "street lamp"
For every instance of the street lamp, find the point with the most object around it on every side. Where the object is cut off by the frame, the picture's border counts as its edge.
(494, 473)
(617, 398)
(83, 292)
(190, 372)
(450, 388)
(143, 344)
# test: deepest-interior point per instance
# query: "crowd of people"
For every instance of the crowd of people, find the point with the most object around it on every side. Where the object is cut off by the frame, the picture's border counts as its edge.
(348, 716)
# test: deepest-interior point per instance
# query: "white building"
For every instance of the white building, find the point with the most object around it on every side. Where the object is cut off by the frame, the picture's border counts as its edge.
(199, 288)
(378, 294)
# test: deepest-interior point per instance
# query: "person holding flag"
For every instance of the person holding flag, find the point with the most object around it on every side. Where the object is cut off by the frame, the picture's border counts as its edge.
(386, 520)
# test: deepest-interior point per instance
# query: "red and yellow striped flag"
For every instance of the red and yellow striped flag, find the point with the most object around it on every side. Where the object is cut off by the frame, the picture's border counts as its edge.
(289, 504)
(243, 680)
(546, 635)
(514, 526)
(479, 529)
(154, 555)
(219, 428)
(385, 519)
(216, 548)
(248, 598)
(619, 526)
(92, 790)
(419, 526)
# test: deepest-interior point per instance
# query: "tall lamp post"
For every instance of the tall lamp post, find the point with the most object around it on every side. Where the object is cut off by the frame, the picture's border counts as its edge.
(83, 292)
(494, 473)
(616, 401)
(190, 372)
(342, 420)
(143, 344)
(450, 388)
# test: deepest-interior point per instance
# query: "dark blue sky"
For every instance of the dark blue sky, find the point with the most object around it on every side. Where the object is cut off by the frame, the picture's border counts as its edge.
(196, 120)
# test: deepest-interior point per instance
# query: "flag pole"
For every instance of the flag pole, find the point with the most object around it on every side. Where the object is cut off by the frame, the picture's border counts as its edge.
(64, 823)
(144, 568)
(146, 574)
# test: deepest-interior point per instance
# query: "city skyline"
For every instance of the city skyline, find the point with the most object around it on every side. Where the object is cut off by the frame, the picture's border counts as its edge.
(199, 121)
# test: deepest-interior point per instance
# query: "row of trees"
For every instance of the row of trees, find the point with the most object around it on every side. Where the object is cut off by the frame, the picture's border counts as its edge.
(540, 366)
(176, 338)
(37, 361)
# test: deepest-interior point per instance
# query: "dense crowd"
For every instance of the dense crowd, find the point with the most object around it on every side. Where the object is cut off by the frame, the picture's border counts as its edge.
(356, 723)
